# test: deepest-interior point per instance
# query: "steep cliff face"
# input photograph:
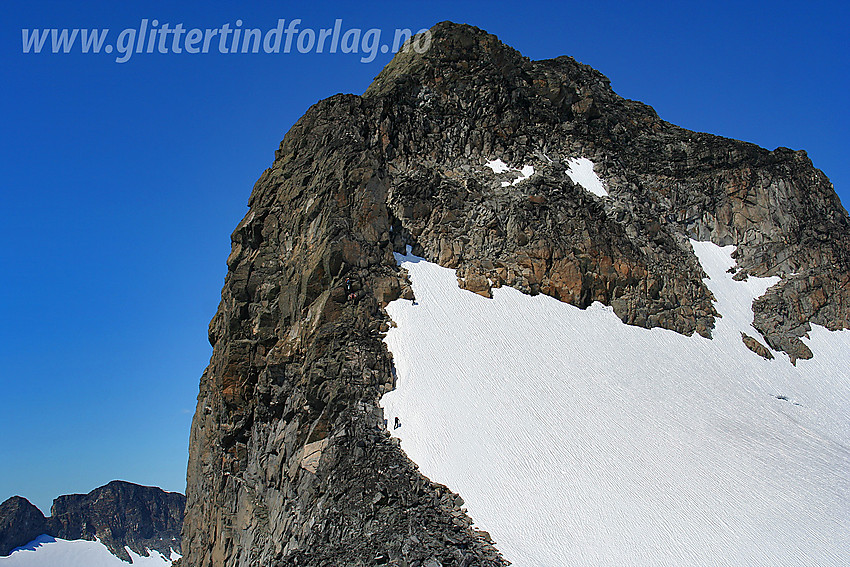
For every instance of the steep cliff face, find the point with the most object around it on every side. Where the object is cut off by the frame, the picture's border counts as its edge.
(290, 460)
(119, 514)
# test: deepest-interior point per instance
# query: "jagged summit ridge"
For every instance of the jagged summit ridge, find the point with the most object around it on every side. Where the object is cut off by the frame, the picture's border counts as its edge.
(691, 183)
(290, 459)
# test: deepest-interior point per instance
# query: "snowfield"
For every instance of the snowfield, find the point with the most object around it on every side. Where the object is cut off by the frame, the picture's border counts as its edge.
(578, 440)
(46, 551)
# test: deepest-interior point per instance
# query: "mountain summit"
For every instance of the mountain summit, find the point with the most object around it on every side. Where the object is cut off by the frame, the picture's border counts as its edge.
(529, 175)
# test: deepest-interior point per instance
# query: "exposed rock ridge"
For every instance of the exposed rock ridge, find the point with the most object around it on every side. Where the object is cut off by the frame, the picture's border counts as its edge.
(119, 514)
(290, 460)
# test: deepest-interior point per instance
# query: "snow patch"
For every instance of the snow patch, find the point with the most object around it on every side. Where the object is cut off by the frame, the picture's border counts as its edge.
(734, 299)
(578, 440)
(499, 167)
(581, 172)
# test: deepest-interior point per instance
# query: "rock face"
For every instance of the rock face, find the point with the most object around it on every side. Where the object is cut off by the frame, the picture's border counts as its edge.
(20, 523)
(290, 458)
(119, 514)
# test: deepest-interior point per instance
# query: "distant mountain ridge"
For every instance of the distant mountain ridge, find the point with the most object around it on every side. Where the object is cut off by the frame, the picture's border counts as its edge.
(119, 514)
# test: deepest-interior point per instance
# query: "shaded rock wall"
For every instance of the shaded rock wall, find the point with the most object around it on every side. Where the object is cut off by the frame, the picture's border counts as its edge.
(20, 523)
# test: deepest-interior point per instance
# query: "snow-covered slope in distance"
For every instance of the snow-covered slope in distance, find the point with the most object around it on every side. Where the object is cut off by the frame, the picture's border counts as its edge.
(46, 551)
(578, 440)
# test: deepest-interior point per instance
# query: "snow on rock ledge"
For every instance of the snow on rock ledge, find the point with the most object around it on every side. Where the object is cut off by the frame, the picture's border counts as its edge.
(499, 167)
(576, 439)
(581, 172)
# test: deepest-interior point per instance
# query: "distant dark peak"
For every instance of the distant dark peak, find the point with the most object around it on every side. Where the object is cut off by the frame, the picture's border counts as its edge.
(119, 514)
(116, 490)
(16, 502)
(20, 523)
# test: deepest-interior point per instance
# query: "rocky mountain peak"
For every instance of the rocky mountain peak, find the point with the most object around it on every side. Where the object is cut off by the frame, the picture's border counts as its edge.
(20, 523)
(456, 51)
(528, 174)
(122, 514)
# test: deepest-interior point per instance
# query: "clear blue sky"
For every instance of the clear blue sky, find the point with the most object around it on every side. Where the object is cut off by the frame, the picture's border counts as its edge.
(120, 183)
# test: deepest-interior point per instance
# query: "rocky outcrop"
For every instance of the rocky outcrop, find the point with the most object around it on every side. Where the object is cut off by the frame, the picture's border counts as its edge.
(756, 346)
(122, 514)
(290, 459)
(20, 523)
(119, 514)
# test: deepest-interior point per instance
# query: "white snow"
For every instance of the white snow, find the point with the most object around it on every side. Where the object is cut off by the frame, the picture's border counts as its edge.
(524, 173)
(46, 551)
(575, 439)
(581, 172)
(498, 167)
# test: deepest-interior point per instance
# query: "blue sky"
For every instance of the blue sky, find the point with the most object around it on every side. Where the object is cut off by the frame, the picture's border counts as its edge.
(121, 183)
